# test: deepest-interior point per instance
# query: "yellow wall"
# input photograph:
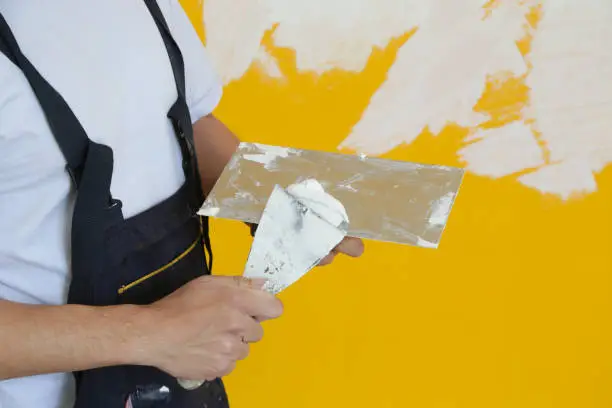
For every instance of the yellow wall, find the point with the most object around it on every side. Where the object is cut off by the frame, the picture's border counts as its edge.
(514, 310)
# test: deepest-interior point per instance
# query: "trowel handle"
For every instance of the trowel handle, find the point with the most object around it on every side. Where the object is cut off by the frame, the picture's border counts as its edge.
(190, 384)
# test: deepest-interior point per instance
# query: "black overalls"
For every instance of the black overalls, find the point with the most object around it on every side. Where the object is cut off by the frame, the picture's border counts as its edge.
(127, 261)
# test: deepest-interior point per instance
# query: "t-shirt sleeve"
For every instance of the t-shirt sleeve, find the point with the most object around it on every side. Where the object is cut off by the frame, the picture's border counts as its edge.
(203, 86)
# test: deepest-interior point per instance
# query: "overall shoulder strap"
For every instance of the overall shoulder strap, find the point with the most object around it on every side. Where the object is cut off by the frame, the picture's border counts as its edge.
(172, 48)
(66, 128)
(90, 165)
(179, 111)
(181, 119)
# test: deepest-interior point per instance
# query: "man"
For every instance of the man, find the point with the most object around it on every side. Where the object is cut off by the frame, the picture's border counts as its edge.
(102, 266)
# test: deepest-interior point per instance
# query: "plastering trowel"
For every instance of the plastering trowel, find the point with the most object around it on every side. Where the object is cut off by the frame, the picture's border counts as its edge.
(386, 200)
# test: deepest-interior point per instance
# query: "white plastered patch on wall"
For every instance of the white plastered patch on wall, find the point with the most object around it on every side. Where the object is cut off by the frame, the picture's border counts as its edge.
(440, 73)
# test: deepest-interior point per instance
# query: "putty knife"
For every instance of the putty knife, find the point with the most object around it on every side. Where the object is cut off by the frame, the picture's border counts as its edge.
(291, 239)
(386, 200)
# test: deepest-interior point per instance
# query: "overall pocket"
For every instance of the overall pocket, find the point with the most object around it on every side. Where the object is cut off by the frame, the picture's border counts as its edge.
(156, 271)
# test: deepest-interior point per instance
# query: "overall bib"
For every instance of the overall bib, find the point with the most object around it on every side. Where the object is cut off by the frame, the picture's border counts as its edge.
(127, 261)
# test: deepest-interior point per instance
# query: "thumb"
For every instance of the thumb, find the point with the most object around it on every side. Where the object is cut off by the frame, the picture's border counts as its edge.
(242, 282)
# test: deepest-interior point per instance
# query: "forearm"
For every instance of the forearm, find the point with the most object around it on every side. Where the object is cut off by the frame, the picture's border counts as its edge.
(46, 339)
(215, 144)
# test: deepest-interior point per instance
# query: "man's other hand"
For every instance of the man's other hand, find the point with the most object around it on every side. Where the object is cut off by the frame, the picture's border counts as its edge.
(350, 246)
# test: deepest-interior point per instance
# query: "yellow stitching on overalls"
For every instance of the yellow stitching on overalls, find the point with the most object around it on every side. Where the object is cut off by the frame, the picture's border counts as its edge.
(138, 281)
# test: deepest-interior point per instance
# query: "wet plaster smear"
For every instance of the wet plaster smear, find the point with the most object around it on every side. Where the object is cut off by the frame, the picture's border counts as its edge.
(563, 136)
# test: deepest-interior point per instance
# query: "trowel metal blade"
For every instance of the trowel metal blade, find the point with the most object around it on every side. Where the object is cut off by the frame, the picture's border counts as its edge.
(290, 240)
(386, 200)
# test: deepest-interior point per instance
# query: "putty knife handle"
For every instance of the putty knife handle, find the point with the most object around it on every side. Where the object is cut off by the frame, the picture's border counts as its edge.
(190, 384)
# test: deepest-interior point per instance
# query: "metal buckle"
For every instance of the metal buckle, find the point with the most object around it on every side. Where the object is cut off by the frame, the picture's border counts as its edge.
(113, 203)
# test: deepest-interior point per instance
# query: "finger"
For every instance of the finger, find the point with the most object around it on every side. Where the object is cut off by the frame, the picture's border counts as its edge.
(258, 304)
(328, 259)
(253, 331)
(227, 369)
(248, 283)
(350, 246)
(243, 350)
(238, 281)
(245, 327)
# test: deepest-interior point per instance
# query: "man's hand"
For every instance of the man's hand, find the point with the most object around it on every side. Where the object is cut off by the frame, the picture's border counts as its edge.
(350, 246)
(200, 331)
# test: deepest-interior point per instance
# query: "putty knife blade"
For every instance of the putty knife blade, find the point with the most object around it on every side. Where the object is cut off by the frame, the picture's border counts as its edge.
(290, 240)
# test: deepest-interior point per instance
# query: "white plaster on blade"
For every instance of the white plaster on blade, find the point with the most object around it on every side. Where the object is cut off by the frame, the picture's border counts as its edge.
(456, 49)
(311, 193)
(441, 210)
(244, 195)
(426, 244)
(268, 155)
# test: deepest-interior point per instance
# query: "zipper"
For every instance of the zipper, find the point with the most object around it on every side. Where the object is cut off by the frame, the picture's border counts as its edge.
(148, 276)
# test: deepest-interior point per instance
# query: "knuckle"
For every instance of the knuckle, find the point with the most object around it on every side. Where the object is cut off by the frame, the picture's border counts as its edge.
(227, 345)
(228, 295)
(224, 313)
(233, 320)
(235, 297)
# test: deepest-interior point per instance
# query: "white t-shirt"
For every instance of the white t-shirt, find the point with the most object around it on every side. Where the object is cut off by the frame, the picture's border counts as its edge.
(108, 60)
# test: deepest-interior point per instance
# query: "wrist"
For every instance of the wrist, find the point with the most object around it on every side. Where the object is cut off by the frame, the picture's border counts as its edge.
(133, 342)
